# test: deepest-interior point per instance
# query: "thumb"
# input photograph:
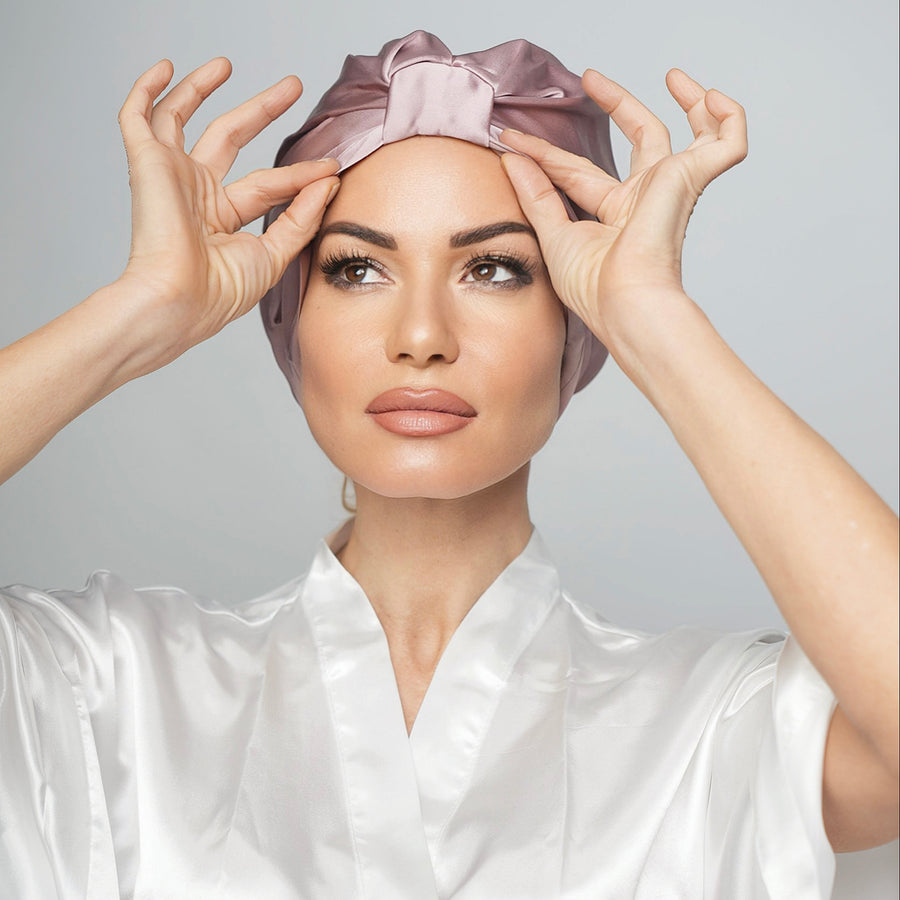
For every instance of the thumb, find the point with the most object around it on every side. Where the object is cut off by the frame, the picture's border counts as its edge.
(298, 224)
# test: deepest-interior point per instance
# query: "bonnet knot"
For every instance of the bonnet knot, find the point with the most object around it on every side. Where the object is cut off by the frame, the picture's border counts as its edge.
(438, 98)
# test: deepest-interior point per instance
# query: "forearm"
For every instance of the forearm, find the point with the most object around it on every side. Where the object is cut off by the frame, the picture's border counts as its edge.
(824, 542)
(191, 269)
(52, 375)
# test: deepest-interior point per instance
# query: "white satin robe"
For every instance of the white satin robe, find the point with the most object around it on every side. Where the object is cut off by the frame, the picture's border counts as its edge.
(156, 745)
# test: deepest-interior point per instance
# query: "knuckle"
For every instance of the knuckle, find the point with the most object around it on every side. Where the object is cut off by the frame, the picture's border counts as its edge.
(265, 196)
(542, 195)
(225, 131)
(299, 223)
(270, 109)
(198, 89)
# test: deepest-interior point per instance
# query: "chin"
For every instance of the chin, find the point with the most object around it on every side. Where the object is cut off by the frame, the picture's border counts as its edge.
(436, 483)
(435, 474)
(450, 467)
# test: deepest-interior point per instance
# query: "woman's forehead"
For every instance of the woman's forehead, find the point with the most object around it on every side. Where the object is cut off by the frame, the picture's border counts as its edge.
(426, 182)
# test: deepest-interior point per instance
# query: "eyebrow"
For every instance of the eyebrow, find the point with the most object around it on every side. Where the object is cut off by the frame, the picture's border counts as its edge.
(459, 239)
(486, 232)
(369, 235)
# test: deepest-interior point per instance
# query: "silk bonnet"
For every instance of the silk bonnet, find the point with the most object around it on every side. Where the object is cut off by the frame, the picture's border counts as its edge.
(415, 86)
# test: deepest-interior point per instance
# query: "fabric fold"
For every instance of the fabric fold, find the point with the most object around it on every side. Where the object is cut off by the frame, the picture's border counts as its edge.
(795, 855)
(159, 744)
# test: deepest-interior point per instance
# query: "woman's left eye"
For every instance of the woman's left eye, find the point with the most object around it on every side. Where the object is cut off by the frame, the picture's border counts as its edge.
(498, 272)
(489, 272)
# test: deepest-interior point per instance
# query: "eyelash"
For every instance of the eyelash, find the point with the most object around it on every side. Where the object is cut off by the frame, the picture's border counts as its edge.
(521, 268)
(332, 265)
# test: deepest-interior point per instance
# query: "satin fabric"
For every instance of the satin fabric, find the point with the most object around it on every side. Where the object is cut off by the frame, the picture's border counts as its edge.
(156, 745)
(416, 86)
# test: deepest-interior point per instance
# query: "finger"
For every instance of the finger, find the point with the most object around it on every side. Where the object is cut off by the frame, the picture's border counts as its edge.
(537, 196)
(173, 111)
(691, 96)
(134, 116)
(298, 224)
(730, 115)
(648, 136)
(730, 144)
(219, 144)
(576, 176)
(718, 122)
(257, 193)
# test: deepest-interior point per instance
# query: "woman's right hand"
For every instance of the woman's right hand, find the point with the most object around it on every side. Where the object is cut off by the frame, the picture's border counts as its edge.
(191, 269)
(190, 263)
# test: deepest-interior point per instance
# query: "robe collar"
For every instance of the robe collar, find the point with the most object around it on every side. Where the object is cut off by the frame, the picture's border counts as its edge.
(402, 790)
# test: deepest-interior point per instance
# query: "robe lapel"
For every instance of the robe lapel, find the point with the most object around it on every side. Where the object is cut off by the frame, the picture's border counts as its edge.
(379, 775)
(468, 682)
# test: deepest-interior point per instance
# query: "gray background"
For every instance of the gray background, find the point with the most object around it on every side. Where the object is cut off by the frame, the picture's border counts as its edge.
(204, 475)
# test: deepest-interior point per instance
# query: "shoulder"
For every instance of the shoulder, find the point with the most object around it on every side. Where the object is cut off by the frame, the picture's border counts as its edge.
(686, 667)
(80, 627)
(682, 648)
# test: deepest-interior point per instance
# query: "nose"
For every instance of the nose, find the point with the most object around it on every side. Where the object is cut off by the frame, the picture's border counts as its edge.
(422, 330)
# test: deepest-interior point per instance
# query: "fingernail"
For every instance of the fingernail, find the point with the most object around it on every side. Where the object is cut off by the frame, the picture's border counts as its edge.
(331, 193)
(327, 159)
(514, 130)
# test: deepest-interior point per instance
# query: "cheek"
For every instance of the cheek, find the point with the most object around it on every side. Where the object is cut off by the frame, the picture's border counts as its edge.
(532, 362)
(524, 385)
(327, 371)
(335, 345)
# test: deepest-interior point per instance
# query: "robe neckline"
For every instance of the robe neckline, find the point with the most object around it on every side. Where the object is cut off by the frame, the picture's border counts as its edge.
(402, 789)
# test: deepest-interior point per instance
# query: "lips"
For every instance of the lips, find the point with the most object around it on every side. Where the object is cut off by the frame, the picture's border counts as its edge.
(431, 400)
(420, 413)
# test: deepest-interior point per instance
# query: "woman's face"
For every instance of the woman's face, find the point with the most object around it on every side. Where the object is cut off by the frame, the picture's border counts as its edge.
(430, 337)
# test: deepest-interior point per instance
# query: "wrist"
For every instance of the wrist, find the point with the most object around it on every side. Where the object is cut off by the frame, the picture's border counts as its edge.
(646, 327)
(670, 350)
(132, 329)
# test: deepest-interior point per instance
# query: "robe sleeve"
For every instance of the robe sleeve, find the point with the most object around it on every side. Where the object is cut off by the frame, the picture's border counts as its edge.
(765, 814)
(57, 702)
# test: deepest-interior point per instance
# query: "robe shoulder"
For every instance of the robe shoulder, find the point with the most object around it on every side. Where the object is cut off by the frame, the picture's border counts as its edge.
(77, 634)
(683, 661)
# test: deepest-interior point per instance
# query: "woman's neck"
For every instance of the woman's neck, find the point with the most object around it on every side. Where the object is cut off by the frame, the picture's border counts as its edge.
(423, 563)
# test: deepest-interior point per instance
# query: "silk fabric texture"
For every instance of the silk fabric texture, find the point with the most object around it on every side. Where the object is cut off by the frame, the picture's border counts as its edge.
(158, 745)
(415, 86)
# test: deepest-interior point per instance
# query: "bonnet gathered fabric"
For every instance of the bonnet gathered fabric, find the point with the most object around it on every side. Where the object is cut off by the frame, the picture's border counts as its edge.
(415, 86)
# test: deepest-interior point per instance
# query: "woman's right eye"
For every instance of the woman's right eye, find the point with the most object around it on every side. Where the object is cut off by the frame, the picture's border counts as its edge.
(358, 273)
(351, 271)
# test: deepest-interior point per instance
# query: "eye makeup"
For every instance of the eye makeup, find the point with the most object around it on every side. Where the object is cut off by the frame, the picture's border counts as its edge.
(520, 268)
(347, 270)
(337, 265)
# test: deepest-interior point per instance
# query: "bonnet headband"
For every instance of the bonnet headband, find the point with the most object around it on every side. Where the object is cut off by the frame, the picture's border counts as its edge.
(415, 86)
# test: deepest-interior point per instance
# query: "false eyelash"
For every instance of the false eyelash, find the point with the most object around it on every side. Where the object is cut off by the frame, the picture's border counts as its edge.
(523, 268)
(332, 264)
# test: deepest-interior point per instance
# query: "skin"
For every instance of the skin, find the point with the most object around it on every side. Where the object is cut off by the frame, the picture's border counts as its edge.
(424, 321)
(435, 526)
(437, 517)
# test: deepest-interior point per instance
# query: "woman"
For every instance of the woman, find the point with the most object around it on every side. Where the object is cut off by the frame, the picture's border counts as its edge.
(158, 745)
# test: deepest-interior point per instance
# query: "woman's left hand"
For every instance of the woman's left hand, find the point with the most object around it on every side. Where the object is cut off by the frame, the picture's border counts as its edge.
(605, 270)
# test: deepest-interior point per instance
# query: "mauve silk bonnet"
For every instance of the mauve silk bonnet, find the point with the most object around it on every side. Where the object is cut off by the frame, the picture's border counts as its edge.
(416, 86)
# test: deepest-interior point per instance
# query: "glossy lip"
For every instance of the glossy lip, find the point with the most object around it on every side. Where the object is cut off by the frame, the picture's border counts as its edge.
(420, 413)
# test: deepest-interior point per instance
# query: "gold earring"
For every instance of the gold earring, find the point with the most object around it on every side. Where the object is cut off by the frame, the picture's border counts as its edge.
(345, 502)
